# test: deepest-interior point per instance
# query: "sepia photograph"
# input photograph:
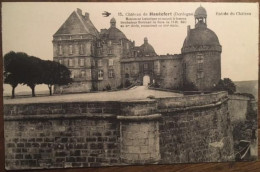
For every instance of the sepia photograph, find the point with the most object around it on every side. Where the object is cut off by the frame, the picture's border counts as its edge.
(113, 84)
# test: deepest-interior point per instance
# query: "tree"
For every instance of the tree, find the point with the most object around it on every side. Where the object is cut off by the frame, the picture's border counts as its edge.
(226, 85)
(33, 72)
(14, 69)
(55, 73)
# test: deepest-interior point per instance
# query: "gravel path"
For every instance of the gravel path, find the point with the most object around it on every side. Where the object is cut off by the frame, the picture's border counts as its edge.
(136, 93)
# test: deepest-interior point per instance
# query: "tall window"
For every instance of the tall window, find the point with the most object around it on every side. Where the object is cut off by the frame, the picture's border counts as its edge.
(81, 51)
(100, 75)
(70, 62)
(127, 46)
(200, 75)
(88, 74)
(60, 50)
(109, 43)
(72, 74)
(99, 63)
(60, 61)
(98, 44)
(70, 49)
(110, 73)
(81, 62)
(145, 66)
(200, 61)
(110, 62)
(109, 51)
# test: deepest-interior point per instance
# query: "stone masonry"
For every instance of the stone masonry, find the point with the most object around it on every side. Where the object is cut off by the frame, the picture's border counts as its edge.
(86, 134)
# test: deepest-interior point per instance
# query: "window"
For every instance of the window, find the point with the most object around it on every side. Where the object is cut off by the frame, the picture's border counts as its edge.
(70, 62)
(70, 49)
(81, 49)
(98, 44)
(72, 74)
(81, 62)
(111, 73)
(81, 37)
(60, 61)
(110, 62)
(109, 51)
(88, 74)
(109, 43)
(99, 63)
(157, 67)
(127, 46)
(100, 75)
(200, 58)
(200, 61)
(200, 66)
(83, 73)
(145, 66)
(99, 52)
(70, 38)
(200, 75)
(60, 50)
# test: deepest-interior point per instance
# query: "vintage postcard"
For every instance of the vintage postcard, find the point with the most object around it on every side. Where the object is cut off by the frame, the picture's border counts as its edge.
(108, 84)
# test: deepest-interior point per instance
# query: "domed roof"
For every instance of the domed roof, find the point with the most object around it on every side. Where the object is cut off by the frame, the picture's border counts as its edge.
(201, 36)
(147, 49)
(200, 12)
(115, 34)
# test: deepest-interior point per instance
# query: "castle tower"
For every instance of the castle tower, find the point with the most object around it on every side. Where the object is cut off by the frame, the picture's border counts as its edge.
(201, 54)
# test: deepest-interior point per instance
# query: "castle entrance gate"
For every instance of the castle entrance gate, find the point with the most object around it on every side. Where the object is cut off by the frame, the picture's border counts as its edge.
(146, 80)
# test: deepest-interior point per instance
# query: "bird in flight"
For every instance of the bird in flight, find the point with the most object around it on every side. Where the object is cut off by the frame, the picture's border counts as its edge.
(106, 14)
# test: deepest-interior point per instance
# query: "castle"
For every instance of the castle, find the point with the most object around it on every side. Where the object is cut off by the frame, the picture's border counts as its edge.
(109, 60)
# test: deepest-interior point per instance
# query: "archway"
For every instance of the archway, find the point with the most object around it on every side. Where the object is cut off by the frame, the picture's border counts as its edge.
(146, 80)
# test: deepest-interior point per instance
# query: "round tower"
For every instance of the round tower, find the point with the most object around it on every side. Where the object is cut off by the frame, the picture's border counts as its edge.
(201, 54)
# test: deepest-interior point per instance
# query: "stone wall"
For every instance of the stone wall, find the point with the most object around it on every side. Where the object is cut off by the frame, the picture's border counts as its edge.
(84, 134)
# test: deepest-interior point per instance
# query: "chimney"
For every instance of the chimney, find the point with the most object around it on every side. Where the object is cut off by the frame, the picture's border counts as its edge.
(87, 16)
(79, 11)
(188, 31)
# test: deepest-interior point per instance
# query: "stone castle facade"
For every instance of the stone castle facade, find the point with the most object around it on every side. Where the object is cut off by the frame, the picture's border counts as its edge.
(109, 60)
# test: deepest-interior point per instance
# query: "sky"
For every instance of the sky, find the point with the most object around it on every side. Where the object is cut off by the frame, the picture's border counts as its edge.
(29, 27)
